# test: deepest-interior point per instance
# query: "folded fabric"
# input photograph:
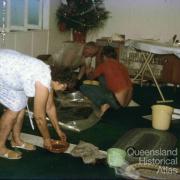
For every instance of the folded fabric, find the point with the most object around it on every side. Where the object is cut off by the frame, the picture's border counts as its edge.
(88, 152)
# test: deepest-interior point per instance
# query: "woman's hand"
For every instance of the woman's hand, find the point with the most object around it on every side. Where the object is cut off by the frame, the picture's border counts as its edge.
(90, 72)
(52, 114)
(62, 136)
(47, 144)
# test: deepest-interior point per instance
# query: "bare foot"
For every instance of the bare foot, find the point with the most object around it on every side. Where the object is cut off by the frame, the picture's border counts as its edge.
(47, 144)
(104, 108)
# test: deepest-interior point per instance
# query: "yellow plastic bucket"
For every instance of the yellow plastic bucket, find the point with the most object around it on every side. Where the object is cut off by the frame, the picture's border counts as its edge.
(161, 116)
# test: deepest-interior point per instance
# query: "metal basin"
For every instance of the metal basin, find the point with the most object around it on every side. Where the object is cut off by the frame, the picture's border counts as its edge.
(76, 112)
(75, 96)
(72, 99)
(73, 106)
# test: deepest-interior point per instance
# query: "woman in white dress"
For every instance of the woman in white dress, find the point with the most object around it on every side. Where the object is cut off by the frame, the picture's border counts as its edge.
(22, 76)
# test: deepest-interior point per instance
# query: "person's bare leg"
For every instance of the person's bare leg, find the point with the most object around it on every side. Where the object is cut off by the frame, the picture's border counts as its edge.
(104, 108)
(7, 122)
(16, 133)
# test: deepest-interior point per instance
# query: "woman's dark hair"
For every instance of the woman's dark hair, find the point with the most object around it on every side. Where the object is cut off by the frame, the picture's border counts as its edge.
(61, 74)
(109, 52)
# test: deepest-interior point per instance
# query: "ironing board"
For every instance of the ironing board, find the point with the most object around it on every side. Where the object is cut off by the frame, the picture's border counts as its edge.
(148, 49)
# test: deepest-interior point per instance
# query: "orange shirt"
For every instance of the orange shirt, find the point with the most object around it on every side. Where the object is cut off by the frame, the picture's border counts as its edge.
(116, 75)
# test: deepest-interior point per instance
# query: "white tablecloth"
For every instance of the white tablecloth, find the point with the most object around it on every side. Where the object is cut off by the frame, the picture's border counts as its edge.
(153, 47)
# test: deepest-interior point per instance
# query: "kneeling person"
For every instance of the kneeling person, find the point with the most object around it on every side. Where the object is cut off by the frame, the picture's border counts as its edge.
(115, 87)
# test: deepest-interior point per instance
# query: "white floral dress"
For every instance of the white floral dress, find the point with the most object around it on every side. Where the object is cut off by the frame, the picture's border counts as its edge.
(18, 74)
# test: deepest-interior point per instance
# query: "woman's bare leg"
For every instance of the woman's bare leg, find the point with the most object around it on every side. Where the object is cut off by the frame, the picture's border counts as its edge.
(16, 131)
(7, 122)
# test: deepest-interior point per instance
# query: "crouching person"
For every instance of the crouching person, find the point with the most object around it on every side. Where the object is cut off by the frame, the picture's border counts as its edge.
(115, 87)
(22, 76)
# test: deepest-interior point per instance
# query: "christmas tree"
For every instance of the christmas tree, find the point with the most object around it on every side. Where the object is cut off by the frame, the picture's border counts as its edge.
(82, 15)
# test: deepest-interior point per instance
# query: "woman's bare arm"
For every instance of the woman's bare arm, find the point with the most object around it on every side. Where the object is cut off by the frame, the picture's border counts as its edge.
(40, 100)
(52, 114)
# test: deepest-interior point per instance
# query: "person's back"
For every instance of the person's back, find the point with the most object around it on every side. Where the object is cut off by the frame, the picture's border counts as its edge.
(115, 74)
(69, 55)
(75, 56)
(19, 71)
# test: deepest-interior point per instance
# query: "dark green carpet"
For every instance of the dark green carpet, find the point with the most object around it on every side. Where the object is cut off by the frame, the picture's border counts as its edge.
(41, 164)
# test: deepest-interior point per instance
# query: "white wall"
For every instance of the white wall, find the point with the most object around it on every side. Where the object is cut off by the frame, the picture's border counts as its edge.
(30, 42)
(157, 19)
(55, 36)
(37, 42)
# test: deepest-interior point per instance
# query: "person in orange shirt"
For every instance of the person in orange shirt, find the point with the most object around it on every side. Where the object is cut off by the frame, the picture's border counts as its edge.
(115, 87)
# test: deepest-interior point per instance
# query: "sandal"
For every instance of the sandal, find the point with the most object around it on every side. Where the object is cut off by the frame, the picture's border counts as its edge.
(11, 155)
(26, 146)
